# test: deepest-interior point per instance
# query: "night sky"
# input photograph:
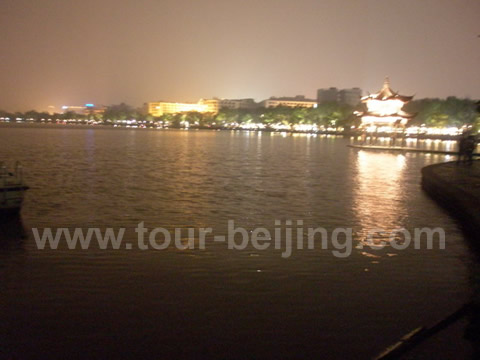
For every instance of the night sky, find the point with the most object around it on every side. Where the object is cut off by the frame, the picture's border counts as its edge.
(61, 52)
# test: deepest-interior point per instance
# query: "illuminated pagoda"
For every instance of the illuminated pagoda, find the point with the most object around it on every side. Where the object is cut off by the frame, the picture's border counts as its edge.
(384, 109)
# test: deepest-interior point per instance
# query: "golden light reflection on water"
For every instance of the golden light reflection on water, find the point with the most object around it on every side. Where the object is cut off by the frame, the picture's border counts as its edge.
(378, 195)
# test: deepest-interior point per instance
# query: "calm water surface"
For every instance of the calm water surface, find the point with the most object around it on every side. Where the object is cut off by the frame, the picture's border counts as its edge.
(218, 303)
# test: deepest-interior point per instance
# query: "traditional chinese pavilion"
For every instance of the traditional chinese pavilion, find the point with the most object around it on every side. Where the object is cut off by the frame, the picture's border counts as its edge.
(385, 108)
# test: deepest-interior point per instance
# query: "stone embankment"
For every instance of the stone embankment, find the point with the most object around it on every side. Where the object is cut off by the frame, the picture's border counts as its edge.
(457, 188)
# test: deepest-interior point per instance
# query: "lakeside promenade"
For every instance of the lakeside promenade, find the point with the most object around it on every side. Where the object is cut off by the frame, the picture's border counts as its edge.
(457, 188)
(346, 134)
(406, 149)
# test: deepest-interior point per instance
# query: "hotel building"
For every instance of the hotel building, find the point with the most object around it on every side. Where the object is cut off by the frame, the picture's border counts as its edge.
(203, 106)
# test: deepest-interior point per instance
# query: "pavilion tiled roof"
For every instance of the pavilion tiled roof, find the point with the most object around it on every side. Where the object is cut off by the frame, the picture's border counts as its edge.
(386, 93)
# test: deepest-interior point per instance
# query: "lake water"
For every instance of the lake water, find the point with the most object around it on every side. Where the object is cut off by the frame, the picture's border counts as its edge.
(218, 302)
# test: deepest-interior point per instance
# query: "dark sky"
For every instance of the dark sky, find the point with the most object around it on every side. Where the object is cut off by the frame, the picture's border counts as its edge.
(56, 52)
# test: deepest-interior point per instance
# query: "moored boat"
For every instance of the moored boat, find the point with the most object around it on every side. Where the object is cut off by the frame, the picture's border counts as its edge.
(12, 189)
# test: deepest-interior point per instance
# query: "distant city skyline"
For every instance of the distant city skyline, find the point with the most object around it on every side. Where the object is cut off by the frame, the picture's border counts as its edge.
(112, 51)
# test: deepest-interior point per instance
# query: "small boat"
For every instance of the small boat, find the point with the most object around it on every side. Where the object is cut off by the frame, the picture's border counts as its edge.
(12, 189)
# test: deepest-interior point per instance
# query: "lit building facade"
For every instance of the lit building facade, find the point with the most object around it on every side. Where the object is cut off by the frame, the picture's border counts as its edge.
(297, 101)
(73, 108)
(384, 108)
(162, 107)
(211, 105)
(87, 109)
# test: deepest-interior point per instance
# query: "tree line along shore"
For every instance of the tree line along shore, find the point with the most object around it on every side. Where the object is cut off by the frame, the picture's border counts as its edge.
(432, 113)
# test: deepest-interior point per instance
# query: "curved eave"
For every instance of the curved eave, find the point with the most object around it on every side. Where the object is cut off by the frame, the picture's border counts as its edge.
(403, 98)
(402, 115)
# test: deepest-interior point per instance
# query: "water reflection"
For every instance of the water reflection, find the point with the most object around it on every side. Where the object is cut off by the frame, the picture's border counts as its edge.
(217, 296)
(12, 236)
(379, 194)
(11, 228)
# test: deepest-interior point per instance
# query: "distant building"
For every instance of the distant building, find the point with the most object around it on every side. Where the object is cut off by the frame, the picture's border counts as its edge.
(327, 95)
(159, 108)
(384, 108)
(237, 104)
(212, 105)
(350, 97)
(87, 109)
(52, 109)
(73, 108)
(297, 101)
